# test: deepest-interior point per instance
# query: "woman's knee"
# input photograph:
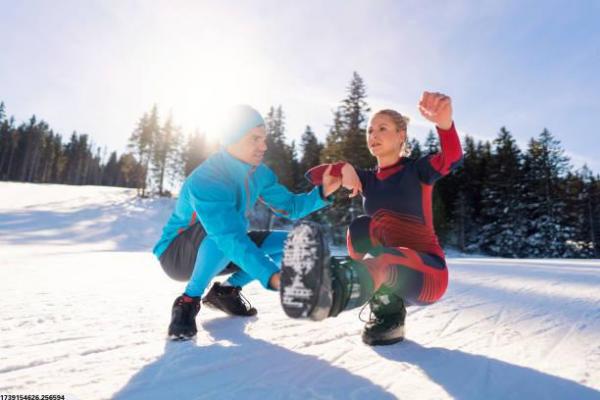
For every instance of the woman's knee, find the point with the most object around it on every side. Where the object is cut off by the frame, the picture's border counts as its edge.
(435, 284)
(358, 237)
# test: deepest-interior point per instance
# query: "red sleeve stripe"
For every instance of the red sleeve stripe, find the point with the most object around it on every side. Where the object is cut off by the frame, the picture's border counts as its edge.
(315, 174)
(450, 151)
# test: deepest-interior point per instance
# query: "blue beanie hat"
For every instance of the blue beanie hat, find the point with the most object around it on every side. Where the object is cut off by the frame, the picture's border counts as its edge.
(240, 119)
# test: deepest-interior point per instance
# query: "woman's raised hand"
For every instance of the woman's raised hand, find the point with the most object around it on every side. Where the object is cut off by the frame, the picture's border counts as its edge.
(437, 108)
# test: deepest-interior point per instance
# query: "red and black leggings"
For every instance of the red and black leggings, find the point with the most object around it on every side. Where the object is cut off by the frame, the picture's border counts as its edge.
(419, 278)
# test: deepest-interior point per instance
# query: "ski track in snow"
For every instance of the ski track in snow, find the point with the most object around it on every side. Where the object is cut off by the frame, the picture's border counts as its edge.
(85, 307)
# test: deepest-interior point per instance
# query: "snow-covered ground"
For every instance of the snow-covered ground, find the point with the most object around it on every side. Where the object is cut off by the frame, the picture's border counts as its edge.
(85, 307)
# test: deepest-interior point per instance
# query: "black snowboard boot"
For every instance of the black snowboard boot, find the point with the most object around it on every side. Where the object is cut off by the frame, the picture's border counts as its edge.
(315, 285)
(386, 325)
(228, 299)
(183, 318)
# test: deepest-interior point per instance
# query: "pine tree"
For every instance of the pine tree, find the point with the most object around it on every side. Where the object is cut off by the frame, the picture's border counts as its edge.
(579, 212)
(354, 111)
(195, 152)
(279, 155)
(36, 133)
(85, 153)
(415, 148)
(472, 176)
(460, 220)
(175, 161)
(504, 234)
(49, 157)
(131, 171)
(332, 150)
(311, 154)
(166, 154)
(592, 191)
(59, 163)
(94, 168)
(297, 174)
(111, 171)
(466, 217)
(431, 143)
(8, 145)
(142, 141)
(26, 145)
(544, 165)
(74, 156)
(347, 141)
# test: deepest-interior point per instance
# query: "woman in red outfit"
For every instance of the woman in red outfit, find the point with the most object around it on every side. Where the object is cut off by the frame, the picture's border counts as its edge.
(395, 240)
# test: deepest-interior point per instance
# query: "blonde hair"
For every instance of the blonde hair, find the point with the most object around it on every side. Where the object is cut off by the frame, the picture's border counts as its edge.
(401, 123)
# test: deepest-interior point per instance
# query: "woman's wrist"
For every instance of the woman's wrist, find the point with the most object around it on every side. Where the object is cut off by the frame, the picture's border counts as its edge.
(445, 126)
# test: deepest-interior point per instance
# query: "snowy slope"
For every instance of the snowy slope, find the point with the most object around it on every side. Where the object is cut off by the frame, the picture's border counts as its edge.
(85, 308)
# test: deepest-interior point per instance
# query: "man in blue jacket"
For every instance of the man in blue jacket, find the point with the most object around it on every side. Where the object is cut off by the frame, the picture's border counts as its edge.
(207, 233)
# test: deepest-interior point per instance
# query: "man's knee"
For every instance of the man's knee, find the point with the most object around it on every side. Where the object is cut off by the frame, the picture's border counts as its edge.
(175, 270)
(258, 237)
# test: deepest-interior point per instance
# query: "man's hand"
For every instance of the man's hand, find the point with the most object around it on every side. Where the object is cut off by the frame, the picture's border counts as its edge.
(330, 183)
(350, 180)
(275, 281)
(437, 108)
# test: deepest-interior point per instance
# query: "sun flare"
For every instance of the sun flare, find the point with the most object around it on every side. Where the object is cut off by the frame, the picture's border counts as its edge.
(199, 81)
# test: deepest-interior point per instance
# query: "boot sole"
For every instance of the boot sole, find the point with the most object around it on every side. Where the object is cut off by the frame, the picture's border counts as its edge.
(305, 278)
(180, 337)
(214, 306)
(383, 340)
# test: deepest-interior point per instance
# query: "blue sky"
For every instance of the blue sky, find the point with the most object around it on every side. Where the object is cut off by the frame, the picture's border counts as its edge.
(96, 66)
